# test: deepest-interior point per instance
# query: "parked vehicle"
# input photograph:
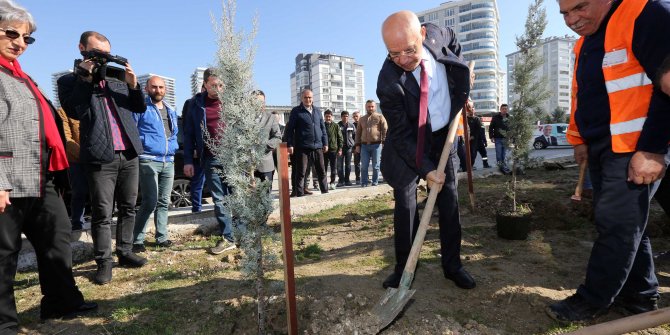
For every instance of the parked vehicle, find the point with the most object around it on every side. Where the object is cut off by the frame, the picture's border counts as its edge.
(550, 135)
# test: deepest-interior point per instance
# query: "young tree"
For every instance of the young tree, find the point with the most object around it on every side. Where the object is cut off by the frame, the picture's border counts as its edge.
(530, 91)
(241, 147)
(558, 115)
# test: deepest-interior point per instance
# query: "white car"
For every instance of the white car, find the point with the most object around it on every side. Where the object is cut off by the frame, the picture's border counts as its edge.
(550, 135)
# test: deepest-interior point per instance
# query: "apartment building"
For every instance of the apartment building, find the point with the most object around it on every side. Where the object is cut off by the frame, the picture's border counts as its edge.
(557, 69)
(337, 82)
(476, 24)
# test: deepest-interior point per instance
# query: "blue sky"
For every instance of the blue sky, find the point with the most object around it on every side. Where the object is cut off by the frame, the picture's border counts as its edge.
(172, 37)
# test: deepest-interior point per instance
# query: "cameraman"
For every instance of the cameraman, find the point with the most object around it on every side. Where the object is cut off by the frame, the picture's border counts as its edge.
(110, 145)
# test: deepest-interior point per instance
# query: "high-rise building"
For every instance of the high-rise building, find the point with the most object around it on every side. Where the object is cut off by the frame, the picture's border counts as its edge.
(170, 97)
(475, 23)
(54, 86)
(557, 69)
(196, 80)
(337, 82)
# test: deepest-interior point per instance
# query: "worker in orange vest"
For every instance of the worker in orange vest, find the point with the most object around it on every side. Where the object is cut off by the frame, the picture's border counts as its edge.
(619, 124)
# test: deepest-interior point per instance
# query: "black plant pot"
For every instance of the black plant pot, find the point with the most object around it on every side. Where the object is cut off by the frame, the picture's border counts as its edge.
(513, 226)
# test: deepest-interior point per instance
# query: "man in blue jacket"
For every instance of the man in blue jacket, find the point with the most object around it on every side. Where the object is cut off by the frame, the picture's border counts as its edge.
(158, 132)
(307, 139)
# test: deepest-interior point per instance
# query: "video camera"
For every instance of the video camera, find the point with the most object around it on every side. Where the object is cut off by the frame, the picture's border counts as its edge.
(101, 69)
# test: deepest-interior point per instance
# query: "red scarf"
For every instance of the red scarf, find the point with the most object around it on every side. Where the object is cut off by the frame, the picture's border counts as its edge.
(58, 159)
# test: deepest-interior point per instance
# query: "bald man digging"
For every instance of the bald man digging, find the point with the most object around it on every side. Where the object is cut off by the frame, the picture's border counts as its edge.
(158, 132)
(421, 87)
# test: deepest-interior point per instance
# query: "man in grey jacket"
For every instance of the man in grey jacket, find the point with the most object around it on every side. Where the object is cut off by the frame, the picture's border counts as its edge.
(266, 169)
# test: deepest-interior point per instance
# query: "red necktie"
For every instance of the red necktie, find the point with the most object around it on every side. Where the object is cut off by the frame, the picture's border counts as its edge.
(423, 113)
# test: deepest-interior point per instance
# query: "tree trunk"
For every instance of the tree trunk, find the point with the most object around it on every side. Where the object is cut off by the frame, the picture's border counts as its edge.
(514, 185)
(260, 291)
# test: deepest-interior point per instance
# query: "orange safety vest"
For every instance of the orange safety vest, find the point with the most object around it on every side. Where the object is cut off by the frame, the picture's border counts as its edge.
(628, 87)
(460, 131)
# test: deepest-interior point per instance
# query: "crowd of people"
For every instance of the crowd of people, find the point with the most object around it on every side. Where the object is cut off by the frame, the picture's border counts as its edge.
(110, 141)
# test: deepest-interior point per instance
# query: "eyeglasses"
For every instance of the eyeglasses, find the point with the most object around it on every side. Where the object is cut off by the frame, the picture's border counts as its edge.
(409, 52)
(13, 34)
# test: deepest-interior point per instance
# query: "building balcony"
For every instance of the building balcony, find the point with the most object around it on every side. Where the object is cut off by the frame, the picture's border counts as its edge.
(477, 39)
(465, 9)
(469, 47)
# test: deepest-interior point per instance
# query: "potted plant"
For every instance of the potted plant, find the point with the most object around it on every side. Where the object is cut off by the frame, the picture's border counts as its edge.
(513, 218)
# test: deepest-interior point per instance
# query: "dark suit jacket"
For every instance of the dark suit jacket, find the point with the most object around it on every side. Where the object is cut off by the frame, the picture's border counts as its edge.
(543, 139)
(398, 94)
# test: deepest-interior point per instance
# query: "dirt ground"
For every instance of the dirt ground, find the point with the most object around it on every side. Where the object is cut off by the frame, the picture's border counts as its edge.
(343, 255)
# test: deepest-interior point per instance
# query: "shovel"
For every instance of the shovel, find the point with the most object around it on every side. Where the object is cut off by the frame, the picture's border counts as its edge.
(392, 303)
(577, 197)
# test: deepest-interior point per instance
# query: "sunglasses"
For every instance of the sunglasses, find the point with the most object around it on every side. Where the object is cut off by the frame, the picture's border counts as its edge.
(13, 34)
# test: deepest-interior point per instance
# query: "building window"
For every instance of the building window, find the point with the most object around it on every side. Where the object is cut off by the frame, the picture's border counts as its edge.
(449, 22)
(450, 12)
(432, 16)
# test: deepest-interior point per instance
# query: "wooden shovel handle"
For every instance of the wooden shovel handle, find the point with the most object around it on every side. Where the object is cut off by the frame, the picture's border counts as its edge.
(580, 181)
(430, 203)
(627, 324)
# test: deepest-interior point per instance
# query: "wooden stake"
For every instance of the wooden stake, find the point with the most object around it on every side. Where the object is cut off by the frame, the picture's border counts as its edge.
(468, 157)
(287, 239)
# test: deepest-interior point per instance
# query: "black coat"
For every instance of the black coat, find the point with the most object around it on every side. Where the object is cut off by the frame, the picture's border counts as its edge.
(306, 130)
(398, 94)
(498, 123)
(81, 102)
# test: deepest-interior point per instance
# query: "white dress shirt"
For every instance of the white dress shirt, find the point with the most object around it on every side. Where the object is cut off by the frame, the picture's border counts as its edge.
(439, 100)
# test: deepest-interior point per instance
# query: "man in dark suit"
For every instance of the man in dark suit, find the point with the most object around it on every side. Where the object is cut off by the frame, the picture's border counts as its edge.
(546, 138)
(418, 119)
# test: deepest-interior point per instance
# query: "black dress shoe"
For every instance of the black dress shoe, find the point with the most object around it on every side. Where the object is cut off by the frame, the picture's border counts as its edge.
(82, 309)
(139, 248)
(636, 304)
(393, 280)
(462, 279)
(103, 274)
(165, 244)
(132, 260)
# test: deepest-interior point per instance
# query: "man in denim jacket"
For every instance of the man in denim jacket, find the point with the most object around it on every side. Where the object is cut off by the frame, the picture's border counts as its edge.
(158, 132)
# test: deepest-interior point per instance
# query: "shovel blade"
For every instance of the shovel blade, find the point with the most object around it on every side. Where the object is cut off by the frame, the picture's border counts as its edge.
(390, 305)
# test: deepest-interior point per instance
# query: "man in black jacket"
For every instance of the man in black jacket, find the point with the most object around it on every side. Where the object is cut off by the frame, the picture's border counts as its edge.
(110, 145)
(344, 161)
(306, 138)
(475, 128)
(496, 133)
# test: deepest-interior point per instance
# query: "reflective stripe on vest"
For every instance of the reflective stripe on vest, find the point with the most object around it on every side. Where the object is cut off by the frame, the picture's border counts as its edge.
(628, 87)
(627, 126)
(634, 80)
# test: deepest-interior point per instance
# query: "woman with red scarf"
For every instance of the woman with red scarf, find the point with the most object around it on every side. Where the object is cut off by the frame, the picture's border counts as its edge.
(32, 158)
